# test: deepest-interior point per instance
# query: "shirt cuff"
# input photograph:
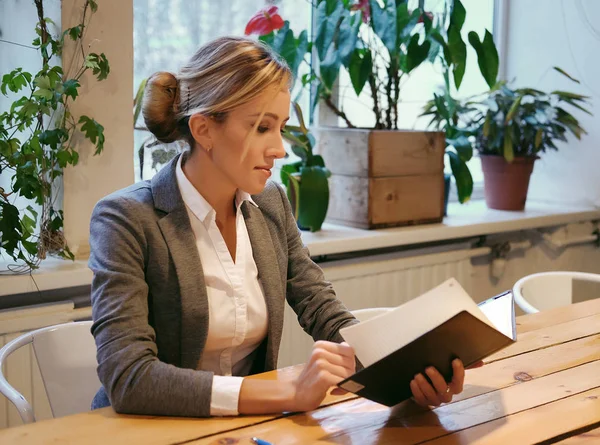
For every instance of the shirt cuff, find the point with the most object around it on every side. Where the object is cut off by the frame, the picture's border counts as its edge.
(225, 395)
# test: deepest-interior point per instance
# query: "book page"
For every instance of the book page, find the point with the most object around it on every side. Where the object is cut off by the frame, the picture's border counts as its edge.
(500, 311)
(380, 336)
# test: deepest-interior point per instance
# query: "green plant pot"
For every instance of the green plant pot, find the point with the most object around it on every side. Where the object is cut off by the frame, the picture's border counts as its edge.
(447, 178)
(308, 215)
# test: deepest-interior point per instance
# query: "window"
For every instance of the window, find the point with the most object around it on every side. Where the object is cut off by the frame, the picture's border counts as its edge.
(423, 81)
(168, 32)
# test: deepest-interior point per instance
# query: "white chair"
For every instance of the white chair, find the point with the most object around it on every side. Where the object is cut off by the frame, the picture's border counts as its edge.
(365, 314)
(548, 290)
(66, 355)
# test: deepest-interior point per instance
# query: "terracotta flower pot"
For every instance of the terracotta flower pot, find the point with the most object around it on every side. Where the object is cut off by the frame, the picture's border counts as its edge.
(506, 184)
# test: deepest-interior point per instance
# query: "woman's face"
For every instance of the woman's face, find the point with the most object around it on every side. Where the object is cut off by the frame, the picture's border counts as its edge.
(244, 155)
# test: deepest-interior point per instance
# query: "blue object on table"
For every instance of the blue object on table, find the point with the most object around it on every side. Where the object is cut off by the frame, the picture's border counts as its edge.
(258, 441)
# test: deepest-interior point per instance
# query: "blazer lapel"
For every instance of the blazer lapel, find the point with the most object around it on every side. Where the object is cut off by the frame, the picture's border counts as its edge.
(269, 274)
(178, 234)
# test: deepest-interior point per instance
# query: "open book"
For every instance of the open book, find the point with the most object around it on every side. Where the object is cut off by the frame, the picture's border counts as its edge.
(430, 330)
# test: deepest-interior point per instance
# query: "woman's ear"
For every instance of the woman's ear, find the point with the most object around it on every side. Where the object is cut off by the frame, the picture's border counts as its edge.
(199, 126)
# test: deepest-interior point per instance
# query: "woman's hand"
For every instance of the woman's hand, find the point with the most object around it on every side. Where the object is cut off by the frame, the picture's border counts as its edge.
(440, 392)
(329, 364)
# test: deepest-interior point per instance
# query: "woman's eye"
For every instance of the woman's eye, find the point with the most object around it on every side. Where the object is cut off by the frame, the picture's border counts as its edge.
(262, 129)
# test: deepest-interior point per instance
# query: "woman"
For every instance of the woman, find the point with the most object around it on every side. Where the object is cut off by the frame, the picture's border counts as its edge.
(191, 269)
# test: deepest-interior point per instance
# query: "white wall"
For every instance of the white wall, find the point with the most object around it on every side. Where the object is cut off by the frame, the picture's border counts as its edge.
(566, 33)
(110, 103)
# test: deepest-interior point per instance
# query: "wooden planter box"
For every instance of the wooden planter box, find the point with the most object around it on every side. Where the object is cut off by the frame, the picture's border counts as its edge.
(383, 178)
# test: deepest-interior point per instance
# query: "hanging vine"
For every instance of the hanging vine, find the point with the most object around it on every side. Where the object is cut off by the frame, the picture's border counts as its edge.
(39, 138)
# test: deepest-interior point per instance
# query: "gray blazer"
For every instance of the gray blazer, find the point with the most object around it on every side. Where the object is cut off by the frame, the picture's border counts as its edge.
(149, 301)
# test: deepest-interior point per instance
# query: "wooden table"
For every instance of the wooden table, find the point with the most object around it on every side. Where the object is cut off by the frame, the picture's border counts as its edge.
(544, 388)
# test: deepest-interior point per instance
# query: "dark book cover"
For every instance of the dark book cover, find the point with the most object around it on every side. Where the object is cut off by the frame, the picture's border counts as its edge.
(463, 336)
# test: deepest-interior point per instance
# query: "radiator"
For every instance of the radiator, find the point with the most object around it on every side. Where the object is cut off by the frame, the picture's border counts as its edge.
(21, 369)
(381, 281)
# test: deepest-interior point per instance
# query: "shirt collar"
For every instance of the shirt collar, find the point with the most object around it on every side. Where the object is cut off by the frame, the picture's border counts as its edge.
(196, 202)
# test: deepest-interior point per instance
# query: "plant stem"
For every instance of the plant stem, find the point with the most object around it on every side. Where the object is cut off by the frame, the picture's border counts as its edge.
(378, 124)
(396, 97)
(388, 95)
(336, 110)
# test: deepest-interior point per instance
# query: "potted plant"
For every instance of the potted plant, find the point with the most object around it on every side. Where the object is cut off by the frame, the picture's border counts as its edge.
(445, 109)
(511, 127)
(306, 179)
(381, 176)
(39, 138)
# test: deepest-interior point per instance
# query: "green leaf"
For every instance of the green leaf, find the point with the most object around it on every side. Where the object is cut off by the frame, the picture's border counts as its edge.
(293, 191)
(458, 54)
(98, 64)
(508, 149)
(360, 67)
(93, 5)
(292, 50)
(330, 67)
(329, 13)
(317, 161)
(538, 137)
(314, 99)
(70, 88)
(300, 117)
(462, 177)
(137, 102)
(314, 198)
(9, 227)
(462, 146)
(487, 56)
(487, 124)
(564, 73)
(458, 15)
(384, 22)
(93, 131)
(415, 53)
(74, 32)
(30, 247)
(514, 108)
(405, 23)
(348, 36)
(287, 170)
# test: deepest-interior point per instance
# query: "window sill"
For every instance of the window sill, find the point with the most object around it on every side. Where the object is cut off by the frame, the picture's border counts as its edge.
(464, 221)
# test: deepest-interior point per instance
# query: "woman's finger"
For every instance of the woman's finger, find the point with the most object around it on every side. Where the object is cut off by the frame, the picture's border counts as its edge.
(339, 372)
(417, 393)
(343, 349)
(458, 377)
(334, 358)
(427, 390)
(440, 385)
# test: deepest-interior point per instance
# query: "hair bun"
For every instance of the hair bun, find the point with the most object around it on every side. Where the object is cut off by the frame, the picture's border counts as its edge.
(161, 100)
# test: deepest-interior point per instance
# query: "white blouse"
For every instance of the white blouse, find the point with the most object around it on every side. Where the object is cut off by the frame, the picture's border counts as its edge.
(237, 308)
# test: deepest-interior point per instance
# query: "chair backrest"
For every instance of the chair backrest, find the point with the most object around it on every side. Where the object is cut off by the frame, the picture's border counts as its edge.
(66, 355)
(365, 314)
(548, 290)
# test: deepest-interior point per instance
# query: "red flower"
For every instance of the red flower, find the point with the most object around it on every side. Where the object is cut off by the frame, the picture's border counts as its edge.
(264, 21)
(363, 5)
(428, 14)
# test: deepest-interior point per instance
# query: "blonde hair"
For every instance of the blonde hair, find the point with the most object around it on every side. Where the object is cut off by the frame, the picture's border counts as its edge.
(222, 75)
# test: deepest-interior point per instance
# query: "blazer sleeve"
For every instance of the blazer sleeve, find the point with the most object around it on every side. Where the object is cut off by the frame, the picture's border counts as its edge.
(135, 380)
(319, 311)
